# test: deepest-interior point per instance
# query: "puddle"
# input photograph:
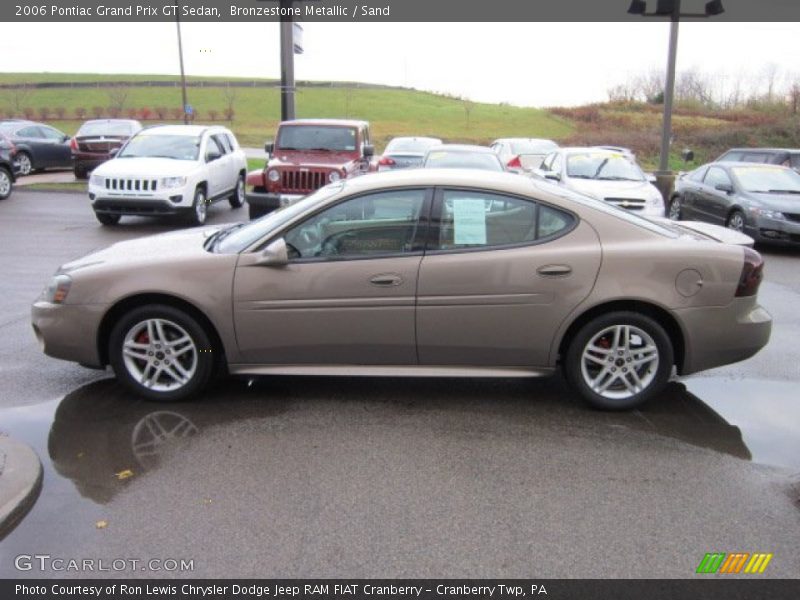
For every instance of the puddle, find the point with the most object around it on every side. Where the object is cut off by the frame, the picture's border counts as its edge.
(766, 412)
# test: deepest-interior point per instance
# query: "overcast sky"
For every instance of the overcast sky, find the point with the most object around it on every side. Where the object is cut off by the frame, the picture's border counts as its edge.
(531, 64)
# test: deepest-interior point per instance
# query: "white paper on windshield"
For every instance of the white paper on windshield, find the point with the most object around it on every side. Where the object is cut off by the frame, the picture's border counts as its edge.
(469, 221)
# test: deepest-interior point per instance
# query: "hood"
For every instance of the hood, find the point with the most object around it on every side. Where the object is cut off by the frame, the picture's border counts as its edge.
(170, 246)
(785, 203)
(312, 159)
(716, 232)
(145, 168)
(615, 189)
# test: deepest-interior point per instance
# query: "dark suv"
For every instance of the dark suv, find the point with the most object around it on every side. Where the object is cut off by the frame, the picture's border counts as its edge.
(787, 157)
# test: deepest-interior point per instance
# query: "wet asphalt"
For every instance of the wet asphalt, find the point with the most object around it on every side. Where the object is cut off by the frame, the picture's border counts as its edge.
(303, 477)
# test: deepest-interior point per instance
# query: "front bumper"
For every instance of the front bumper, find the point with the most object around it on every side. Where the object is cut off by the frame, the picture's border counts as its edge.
(270, 201)
(774, 231)
(68, 332)
(721, 335)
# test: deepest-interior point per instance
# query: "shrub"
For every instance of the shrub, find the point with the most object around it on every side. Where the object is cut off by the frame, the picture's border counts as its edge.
(80, 112)
(177, 114)
(161, 112)
(29, 112)
(60, 111)
(229, 114)
(44, 113)
(98, 111)
(213, 114)
(145, 113)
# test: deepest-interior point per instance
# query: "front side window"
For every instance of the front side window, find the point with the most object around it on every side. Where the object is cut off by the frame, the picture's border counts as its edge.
(476, 219)
(715, 177)
(378, 224)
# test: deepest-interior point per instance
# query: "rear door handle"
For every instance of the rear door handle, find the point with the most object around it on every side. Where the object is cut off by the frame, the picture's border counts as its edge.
(386, 280)
(554, 270)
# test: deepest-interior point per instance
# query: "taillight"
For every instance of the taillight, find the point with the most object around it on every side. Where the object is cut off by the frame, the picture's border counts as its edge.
(514, 163)
(73, 144)
(385, 161)
(752, 273)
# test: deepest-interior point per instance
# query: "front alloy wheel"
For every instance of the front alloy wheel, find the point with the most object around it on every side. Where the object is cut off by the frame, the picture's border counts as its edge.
(161, 353)
(199, 208)
(5, 184)
(619, 361)
(736, 221)
(237, 198)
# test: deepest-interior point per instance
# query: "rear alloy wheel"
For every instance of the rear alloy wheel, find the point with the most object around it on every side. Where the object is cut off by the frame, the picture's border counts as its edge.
(25, 163)
(736, 221)
(237, 198)
(107, 219)
(5, 183)
(161, 353)
(619, 361)
(675, 208)
(199, 211)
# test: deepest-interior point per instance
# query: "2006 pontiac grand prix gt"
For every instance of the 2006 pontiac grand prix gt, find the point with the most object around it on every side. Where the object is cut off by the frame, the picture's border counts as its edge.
(423, 272)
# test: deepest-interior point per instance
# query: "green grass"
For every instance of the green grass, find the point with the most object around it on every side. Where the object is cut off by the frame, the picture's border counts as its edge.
(255, 163)
(391, 111)
(72, 186)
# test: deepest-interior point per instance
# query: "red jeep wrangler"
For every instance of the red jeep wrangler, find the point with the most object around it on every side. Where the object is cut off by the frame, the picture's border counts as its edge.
(306, 155)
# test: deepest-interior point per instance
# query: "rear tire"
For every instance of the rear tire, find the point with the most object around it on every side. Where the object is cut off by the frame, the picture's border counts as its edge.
(6, 183)
(236, 199)
(25, 163)
(107, 219)
(619, 360)
(161, 353)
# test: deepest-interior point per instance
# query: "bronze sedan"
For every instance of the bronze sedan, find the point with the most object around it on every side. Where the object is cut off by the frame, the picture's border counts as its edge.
(417, 272)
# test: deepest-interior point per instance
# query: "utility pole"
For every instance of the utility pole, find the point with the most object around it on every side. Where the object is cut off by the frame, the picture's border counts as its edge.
(287, 63)
(180, 58)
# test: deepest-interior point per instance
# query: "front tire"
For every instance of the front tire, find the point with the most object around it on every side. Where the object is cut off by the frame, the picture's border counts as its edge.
(199, 211)
(161, 353)
(6, 184)
(736, 221)
(25, 163)
(619, 360)
(236, 199)
(107, 219)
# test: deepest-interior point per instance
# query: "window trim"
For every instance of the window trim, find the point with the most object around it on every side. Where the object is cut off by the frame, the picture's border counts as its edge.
(436, 222)
(418, 244)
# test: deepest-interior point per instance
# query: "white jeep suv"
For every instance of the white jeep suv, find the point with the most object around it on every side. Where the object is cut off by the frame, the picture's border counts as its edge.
(170, 170)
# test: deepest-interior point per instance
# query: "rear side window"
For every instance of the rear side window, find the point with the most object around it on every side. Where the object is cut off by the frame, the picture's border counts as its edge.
(475, 219)
(222, 142)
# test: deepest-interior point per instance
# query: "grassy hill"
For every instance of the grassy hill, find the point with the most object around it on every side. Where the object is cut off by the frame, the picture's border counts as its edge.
(391, 111)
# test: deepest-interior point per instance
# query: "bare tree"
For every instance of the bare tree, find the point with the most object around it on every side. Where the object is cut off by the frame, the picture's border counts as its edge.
(20, 96)
(229, 95)
(769, 76)
(468, 106)
(117, 98)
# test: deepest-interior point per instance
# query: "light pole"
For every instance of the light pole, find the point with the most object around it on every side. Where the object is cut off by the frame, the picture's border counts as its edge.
(180, 58)
(671, 9)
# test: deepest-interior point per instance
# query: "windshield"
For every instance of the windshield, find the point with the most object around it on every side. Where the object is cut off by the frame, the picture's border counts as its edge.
(767, 179)
(249, 233)
(602, 165)
(122, 128)
(533, 147)
(179, 147)
(442, 159)
(313, 137)
(415, 145)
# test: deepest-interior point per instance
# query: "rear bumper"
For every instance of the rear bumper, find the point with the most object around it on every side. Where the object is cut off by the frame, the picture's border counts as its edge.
(717, 336)
(89, 161)
(137, 206)
(271, 201)
(68, 332)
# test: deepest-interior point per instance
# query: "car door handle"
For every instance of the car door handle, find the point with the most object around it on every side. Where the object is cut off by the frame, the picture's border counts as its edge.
(554, 270)
(386, 280)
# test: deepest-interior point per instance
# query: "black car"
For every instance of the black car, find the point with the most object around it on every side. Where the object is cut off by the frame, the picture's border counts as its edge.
(788, 157)
(8, 167)
(761, 200)
(39, 146)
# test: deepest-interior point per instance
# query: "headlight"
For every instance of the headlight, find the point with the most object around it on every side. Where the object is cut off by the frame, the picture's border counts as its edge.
(173, 182)
(273, 175)
(58, 288)
(768, 214)
(97, 180)
(334, 176)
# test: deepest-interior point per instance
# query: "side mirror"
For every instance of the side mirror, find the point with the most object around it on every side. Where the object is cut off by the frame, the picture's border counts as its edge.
(269, 148)
(552, 176)
(65, 138)
(687, 154)
(724, 187)
(369, 150)
(650, 177)
(212, 156)
(274, 255)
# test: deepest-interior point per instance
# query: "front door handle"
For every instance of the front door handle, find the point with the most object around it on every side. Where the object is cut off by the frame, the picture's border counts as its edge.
(554, 270)
(386, 280)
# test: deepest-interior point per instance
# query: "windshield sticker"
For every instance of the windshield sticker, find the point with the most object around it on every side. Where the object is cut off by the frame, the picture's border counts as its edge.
(469, 221)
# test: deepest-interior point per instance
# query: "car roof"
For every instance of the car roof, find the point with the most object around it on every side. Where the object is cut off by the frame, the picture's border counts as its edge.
(414, 137)
(524, 139)
(741, 163)
(589, 149)
(111, 121)
(762, 150)
(461, 148)
(334, 122)
(193, 130)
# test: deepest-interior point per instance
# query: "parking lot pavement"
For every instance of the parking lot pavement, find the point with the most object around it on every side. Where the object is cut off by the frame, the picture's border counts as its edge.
(47, 177)
(298, 477)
